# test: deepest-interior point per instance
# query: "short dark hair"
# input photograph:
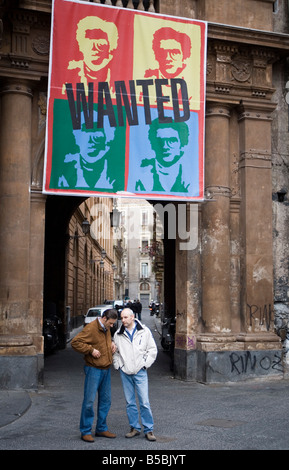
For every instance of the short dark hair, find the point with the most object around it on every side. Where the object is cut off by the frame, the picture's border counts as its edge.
(110, 313)
(170, 33)
(180, 127)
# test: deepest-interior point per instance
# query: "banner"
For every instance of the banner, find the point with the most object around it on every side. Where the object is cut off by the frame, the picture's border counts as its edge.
(126, 102)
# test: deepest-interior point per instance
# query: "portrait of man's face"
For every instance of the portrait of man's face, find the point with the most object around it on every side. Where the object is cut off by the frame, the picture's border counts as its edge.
(97, 39)
(171, 49)
(170, 57)
(92, 143)
(167, 146)
(95, 48)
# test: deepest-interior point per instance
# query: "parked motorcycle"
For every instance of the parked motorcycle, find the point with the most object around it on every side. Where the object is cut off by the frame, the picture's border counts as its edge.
(157, 309)
(52, 332)
(168, 333)
(168, 337)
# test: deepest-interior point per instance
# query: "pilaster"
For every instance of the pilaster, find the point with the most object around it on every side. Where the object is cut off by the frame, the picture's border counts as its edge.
(216, 224)
(15, 173)
(36, 263)
(188, 288)
(256, 231)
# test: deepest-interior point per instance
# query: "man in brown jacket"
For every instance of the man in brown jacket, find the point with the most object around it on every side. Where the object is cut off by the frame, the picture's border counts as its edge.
(94, 341)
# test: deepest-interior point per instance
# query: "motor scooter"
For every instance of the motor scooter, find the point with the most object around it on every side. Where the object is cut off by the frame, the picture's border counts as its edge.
(168, 333)
(52, 333)
(168, 337)
(157, 309)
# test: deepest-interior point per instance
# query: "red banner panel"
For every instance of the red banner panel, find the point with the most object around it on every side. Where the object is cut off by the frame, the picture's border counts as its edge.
(126, 103)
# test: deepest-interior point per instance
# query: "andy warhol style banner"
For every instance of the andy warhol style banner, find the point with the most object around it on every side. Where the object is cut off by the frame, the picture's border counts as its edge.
(126, 103)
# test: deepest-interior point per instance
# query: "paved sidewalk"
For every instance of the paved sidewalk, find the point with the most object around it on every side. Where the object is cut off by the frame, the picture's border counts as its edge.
(188, 416)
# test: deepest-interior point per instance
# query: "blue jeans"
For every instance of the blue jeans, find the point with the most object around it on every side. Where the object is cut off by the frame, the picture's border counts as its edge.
(132, 385)
(96, 380)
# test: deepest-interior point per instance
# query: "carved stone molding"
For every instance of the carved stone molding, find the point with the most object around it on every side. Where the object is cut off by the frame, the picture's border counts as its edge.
(217, 109)
(256, 154)
(238, 70)
(241, 69)
(25, 44)
(235, 184)
(17, 89)
(40, 44)
(259, 115)
(255, 158)
(36, 195)
(41, 5)
(214, 191)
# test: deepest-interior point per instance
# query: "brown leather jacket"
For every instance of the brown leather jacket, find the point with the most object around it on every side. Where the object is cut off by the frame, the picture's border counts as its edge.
(93, 336)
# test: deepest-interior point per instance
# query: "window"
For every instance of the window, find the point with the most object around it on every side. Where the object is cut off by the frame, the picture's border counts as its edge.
(144, 270)
(144, 286)
(144, 218)
(144, 246)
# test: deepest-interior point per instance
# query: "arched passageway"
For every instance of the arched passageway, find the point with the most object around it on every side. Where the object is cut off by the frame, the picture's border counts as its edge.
(59, 211)
(57, 215)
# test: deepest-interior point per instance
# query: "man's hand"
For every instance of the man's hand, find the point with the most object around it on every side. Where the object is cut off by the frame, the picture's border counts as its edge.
(95, 353)
(113, 347)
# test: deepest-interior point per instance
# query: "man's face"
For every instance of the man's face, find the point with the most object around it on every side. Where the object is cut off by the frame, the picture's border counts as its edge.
(95, 48)
(108, 322)
(170, 58)
(92, 144)
(127, 319)
(168, 146)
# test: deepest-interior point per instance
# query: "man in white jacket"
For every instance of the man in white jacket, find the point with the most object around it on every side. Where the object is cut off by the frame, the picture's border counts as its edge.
(136, 352)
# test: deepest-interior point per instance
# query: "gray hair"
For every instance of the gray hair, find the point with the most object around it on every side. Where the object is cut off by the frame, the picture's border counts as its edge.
(129, 310)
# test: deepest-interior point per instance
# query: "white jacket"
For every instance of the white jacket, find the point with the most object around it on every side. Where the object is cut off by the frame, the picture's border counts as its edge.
(131, 356)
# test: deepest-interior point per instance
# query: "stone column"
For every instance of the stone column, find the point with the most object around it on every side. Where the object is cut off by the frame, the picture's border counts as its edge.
(16, 345)
(36, 267)
(256, 223)
(216, 224)
(187, 288)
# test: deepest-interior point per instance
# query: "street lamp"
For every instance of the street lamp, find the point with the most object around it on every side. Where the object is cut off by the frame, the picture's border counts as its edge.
(85, 228)
(101, 262)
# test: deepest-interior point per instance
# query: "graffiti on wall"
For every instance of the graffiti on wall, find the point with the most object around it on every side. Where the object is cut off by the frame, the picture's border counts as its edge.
(264, 314)
(183, 341)
(243, 363)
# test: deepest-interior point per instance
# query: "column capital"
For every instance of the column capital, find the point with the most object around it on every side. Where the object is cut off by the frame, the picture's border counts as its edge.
(16, 88)
(37, 196)
(213, 191)
(218, 109)
(251, 109)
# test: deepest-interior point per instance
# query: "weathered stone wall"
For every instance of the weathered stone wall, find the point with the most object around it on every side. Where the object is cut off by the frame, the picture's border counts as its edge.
(227, 286)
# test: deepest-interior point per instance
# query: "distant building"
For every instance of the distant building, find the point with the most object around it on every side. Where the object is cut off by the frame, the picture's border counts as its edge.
(90, 259)
(138, 223)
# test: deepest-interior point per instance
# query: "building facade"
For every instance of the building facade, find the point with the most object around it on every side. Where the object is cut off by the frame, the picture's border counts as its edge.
(89, 259)
(229, 293)
(138, 221)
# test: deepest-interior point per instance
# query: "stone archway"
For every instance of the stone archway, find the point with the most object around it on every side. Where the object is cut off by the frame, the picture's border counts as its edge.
(57, 215)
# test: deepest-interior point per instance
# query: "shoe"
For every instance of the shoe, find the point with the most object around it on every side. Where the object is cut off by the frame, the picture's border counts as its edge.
(105, 434)
(150, 436)
(133, 432)
(87, 438)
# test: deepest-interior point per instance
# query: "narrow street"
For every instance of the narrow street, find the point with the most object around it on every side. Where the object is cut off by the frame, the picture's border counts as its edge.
(188, 416)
